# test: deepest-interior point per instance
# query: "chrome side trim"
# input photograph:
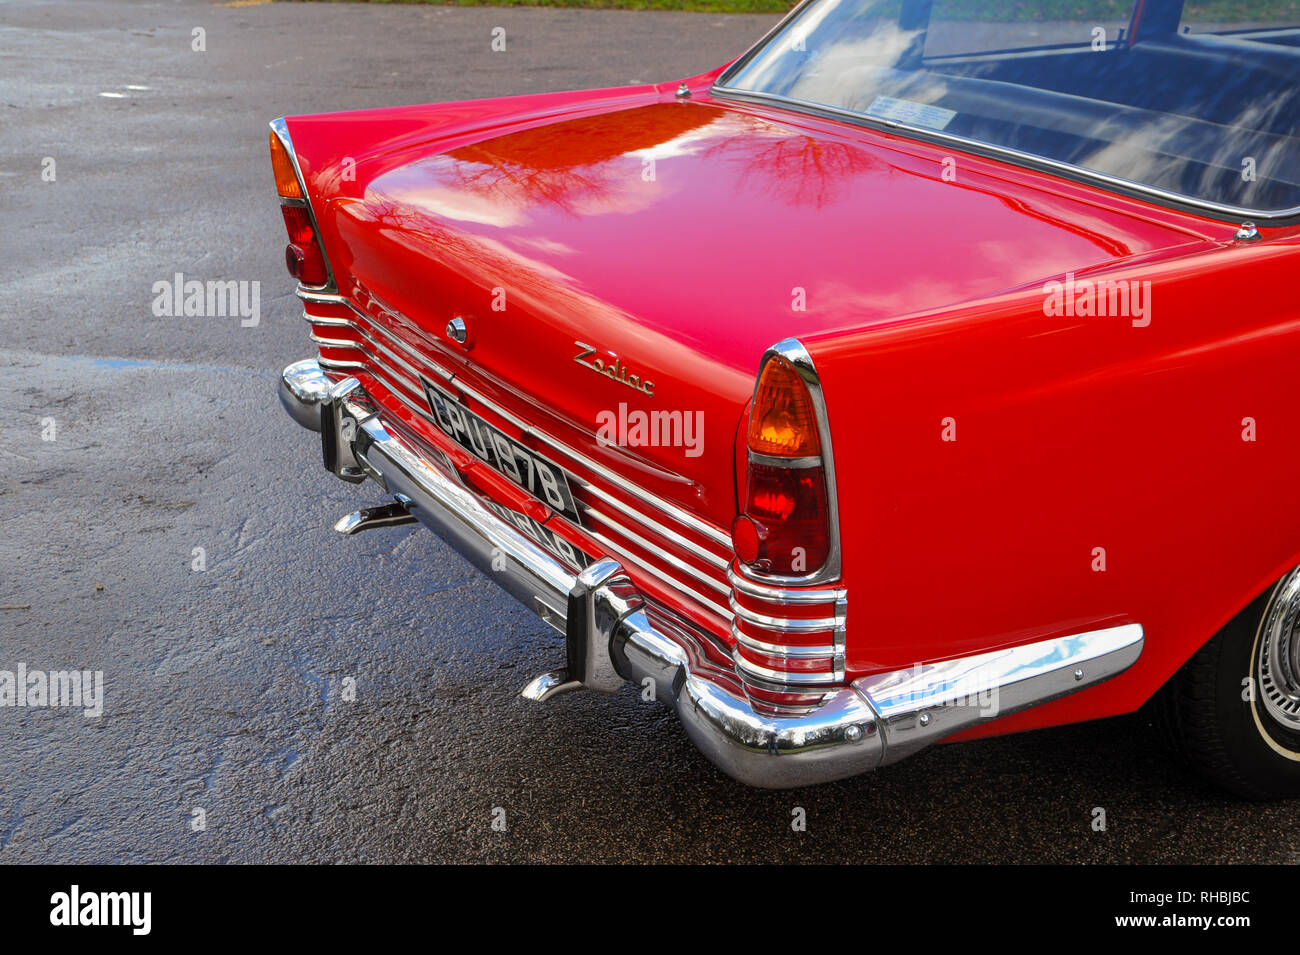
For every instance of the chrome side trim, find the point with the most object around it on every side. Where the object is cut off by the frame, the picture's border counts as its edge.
(345, 343)
(611, 636)
(366, 330)
(325, 298)
(281, 129)
(784, 681)
(781, 649)
(705, 555)
(782, 595)
(933, 700)
(552, 443)
(708, 603)
(788, 624)
(653, 548)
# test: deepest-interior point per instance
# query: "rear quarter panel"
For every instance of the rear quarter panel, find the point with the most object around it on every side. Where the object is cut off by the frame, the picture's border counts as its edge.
(1071, 434)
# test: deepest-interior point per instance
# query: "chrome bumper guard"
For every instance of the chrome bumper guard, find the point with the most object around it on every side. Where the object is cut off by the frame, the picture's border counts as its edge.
(611, 638)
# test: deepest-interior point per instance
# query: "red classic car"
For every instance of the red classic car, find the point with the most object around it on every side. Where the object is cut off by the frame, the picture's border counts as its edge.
(927, 372)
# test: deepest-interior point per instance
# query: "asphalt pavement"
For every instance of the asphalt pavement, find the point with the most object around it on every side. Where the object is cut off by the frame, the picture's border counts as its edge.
(273, 691)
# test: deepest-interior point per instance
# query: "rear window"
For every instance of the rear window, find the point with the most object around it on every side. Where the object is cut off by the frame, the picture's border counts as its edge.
(1195, 102)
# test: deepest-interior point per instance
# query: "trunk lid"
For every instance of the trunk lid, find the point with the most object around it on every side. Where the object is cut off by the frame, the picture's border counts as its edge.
(671, 243)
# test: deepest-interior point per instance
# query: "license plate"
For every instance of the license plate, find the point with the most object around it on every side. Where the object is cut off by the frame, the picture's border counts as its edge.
(539, 533)
(539, 477)
(577, 558)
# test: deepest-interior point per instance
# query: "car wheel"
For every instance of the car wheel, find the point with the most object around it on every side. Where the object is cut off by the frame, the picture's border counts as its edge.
(1233, 710)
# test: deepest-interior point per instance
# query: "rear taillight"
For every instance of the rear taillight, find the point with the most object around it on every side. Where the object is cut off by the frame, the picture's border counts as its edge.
(785, 527)
(789, 605)
(286, 179)
(303, 256)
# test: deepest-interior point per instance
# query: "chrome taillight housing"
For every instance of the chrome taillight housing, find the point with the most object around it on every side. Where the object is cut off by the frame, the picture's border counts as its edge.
(787, 530)
(304, 256)
(790, 612)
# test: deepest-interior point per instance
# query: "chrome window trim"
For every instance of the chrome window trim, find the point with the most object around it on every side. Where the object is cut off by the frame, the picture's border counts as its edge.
(739, 62)
(281, 129)
(1228, 213)
(793, 351)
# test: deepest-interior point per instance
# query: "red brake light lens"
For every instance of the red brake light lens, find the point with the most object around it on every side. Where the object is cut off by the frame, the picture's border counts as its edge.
(303, 257)
(787, 509)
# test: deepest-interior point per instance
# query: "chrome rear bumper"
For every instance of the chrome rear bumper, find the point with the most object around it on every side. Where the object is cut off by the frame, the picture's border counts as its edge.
(612, 636)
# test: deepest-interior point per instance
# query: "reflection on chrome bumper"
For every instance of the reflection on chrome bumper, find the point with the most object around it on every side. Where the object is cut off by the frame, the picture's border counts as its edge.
(612, 636)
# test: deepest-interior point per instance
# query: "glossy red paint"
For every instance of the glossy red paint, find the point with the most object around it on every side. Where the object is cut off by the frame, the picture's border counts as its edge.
(682, 238)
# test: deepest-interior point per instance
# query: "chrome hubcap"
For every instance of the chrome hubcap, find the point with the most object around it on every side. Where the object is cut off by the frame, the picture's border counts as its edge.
(1277, 662)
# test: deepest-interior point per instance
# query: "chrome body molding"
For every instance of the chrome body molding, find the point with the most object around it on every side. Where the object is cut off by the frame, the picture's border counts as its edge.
(401, 368)
(781, 594)
(934, 700)
(409, 360)
(788, 624)
(612, 635)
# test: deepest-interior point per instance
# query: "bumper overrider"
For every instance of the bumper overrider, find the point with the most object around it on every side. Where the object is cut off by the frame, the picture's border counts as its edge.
(611, 638)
